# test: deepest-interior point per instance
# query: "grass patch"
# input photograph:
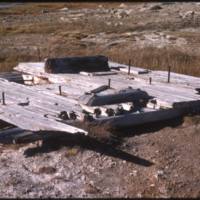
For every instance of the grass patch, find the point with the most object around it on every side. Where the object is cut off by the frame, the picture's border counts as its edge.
(36, 8)
(159, 59)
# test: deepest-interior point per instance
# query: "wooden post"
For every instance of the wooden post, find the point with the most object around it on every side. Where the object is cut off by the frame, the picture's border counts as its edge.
(3, 98)
(109, 81)
(129, 67)
(60, 91)
(169, 70)
(150, 80)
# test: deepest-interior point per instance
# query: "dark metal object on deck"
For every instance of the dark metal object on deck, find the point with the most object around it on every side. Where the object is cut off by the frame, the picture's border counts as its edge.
(169, 71)
(60, 90)
(3, 98)
(129, 67)
(110, 112)
(150, 80)
(109, 82)
(97, 112)
(88, 117)
(72, 115)
(63, 115)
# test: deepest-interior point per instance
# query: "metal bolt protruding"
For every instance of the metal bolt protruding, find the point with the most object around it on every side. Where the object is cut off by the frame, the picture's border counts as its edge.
(169, 71)
(129, 67)
(60, 89)
(150, 80)
(3, 98)
(109, 82)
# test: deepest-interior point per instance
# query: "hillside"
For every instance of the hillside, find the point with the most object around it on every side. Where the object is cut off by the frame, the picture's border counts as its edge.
(155, 160)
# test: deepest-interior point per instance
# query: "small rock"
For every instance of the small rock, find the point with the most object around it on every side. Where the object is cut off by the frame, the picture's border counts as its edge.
(134, 173)
(90, 188)
(123, 13)
(122, 5)
(155, 7)
(124, 162)
(188, 14)
(83, 178)
(64, 9)
(169, 37)
(47, 170)
(162, 190)
(166, 167)
(64, 19)
(158, 174)
(108, 23)
(45, 11)
(139, 194)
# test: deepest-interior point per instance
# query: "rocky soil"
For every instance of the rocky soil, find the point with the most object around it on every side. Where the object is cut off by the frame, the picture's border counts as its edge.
(157, 160)
(149, 161)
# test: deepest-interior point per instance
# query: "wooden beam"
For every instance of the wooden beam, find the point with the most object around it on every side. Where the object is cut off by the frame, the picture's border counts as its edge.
(133, 119)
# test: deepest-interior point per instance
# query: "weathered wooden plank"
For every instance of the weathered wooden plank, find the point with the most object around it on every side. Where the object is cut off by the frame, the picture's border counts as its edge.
(37, 69)
(182, 80)
(134, 119)
(166, 94)
(32, 115)
(125, 68)
(9, 136)
(21, 117)
(99, 89)
(98, 73)
(12, 76)
(11, 89)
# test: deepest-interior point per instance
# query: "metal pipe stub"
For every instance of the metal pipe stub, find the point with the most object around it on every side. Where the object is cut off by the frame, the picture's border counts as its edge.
(3, 98)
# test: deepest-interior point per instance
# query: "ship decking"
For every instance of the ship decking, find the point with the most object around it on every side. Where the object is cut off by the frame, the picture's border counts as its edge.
(52, 102)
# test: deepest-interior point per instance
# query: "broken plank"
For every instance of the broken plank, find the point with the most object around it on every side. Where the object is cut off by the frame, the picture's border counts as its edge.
(28, 120)
(8, 136)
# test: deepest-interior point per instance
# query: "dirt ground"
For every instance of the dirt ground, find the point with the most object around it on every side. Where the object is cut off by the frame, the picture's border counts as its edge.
(159, 160)
(155, 160)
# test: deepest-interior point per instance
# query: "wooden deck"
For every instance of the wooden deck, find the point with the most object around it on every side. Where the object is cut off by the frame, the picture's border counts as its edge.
(181, 89)
(32, 110)
(39, 107)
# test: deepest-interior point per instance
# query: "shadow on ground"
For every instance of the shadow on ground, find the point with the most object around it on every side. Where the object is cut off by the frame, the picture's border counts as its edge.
(101, 139)
(108, 146)
(85, 142)
(148, 128)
